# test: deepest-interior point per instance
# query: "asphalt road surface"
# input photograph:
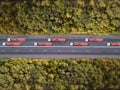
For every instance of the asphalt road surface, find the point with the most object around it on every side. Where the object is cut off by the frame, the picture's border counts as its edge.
(61, 49)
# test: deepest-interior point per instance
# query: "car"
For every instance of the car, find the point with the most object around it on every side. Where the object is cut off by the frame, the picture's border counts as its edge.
(79, 44)
(43, 44)
(94, 39)
(11, 43)
(57, 39)
(16, 39)
(113, 44)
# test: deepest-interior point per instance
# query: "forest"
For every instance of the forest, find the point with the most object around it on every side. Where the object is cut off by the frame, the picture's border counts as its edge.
(60, 74)
(99, 17)
(48, 17)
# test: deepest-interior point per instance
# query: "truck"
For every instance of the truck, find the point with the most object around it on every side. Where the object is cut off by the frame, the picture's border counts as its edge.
(79, 44)
(11, 43)
(43, 44)
(56, 39)
(113, 44)
(94, 39)
(16, 39)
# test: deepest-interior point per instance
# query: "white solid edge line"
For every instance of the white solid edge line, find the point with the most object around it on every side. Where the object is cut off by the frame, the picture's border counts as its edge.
(68, 46)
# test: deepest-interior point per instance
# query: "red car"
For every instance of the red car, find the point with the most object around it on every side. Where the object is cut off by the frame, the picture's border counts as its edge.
(16, 39)
(11, 44)
(94, 39)
(79, 44)
(57, 39)
(43, 44)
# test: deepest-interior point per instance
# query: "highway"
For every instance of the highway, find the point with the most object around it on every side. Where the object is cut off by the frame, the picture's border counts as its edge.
(61, 49)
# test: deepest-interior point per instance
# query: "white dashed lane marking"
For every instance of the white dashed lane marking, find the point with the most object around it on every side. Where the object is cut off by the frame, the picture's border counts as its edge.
(115, 51)
(45, 50)
(2, 50)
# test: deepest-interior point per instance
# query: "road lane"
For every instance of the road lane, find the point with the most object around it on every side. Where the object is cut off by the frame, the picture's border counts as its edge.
(61, 50)
(28, 50)
(30, 41)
